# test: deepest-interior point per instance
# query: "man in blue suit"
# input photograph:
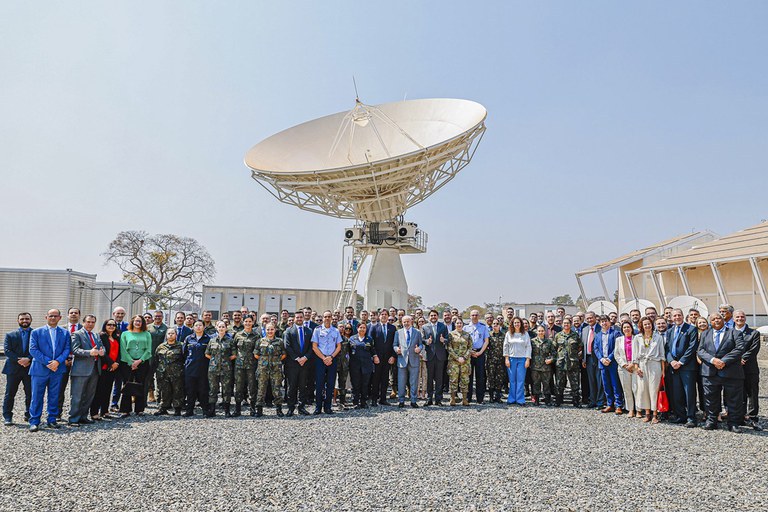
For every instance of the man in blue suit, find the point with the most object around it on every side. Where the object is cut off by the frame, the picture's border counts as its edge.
(604, 343)
(16, 369)
(681, 345)
(49, 346)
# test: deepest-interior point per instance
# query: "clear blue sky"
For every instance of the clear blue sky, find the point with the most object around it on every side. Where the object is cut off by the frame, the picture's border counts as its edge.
(610, 126)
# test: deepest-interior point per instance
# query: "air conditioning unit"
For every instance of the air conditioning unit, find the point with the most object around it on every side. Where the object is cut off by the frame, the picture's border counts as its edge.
(353, 234)
(407, 230)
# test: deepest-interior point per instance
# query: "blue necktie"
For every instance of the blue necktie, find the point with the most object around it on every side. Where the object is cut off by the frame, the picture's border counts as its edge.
(301, 338)
(676, 344)
(178, 333)
(408, 337)
(717, 340)
(24, 341)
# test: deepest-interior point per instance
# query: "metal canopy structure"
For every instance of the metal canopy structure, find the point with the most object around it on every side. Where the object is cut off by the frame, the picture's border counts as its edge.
(633, 257)
(725, 260)
(372, 164)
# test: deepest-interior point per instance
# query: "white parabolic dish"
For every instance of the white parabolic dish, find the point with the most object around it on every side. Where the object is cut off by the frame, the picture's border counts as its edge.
(373, 162)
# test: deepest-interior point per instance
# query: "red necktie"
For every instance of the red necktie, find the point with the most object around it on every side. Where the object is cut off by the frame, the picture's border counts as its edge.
(93, 344)
(72, 328)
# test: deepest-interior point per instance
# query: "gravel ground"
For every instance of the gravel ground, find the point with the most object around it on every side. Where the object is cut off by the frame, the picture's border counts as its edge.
(475, 458)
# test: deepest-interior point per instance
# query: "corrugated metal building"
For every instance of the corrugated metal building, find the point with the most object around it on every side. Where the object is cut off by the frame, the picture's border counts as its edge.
(219, 299)
(37, 291)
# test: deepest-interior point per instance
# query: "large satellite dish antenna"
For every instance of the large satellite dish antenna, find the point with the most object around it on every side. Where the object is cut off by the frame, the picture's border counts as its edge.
(688, 302)
(602, 307)
(371, 164)
(640, 304)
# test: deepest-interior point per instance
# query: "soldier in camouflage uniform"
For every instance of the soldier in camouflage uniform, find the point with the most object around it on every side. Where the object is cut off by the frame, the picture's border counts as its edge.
(244, 344)
(459, 350)
(221, 355)
(170, 374)
(270, 353)
(542, 357)
(494, 362)
(569, 351)
(342, 363)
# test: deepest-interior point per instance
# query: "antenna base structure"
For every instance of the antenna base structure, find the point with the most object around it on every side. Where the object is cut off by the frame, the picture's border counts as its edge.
(372, 164)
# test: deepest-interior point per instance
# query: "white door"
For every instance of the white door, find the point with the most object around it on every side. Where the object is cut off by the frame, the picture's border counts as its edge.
(289, 303)
(251, 301)
(234, 301)
(212, 303)
(272, 304)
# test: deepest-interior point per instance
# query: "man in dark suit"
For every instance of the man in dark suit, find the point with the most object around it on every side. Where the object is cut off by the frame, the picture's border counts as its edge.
(49, 347)
(16, 369)
(309, 324)
(298, 347)
(751, 370)
(435, 337)
(87, 350)
(182, 331)
(383, 335)
(681, 344)
(590, 363)
(720, 351)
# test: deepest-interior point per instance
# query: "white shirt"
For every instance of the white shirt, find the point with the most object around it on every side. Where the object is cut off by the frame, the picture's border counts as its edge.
(517, 345)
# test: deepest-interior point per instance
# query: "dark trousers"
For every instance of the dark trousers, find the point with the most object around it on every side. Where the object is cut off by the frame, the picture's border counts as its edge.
(445, 376)
(683, 397)
(134, 382)
(150, 382)
(11, 388)
(325, 377)
(310, 385)
(528, 381)
(751, 392)
(596, 393)
(714, 387)
(296, 378)
(477, 377)
(63, 388)
(196, 388)
(584, 386)
(360, 382)
(100, 404)
(435, 379)
(117, 388)
(380, 381)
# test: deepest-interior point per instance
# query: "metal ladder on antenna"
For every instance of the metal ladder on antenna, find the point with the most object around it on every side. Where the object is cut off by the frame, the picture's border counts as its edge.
(347, 292)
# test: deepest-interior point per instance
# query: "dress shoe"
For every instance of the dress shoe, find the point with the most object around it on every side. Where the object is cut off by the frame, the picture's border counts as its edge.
(578, 406)
(401, 405)
(34, 428)
(439, 403)
(259, 411)
(430, 402)
(710, 425)
(26, 416)
(754, 424)
(177, 411)
(290, 412)
(734, 429)
(317, 412)
(8, 423)
(188, 413)
(279, 411)
(680, 421)
(359, 406)
(123, 415)
(86, 421)
(303, 411)
(161, 411)
(414, 405)
(53, 425)
(328, 410)
(690, 424)
(73, 423)
(383, 402)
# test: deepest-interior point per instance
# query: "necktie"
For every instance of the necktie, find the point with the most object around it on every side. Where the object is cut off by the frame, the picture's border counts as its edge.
(178, 333)
(72, 328)
(676, 344)
(24, 341)
(53, 341)
(301, 339)
(408, 337)
(93, 344)
(717, 340)
(590, 340)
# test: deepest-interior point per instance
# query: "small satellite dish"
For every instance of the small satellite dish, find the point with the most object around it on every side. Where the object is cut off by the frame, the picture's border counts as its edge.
(602, 307)
(640, 304)
(687, 302)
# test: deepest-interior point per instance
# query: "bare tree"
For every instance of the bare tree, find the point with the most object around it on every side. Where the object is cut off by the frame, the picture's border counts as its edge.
(165, 265)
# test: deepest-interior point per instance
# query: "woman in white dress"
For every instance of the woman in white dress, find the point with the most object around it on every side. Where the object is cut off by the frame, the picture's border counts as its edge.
(648, 355)
(627, 371)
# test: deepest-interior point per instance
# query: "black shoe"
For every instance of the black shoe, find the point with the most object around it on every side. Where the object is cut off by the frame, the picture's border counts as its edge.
(364, 405)
(429, 402)
(383, 402)
(177, 411)
(401, 404)
(414, 405)
(188, 413)
(303, 411)
(259, 411)
(317, 412)
(328, 410)
(34, 428)
(87, 421)
(227, 414)
(53, 425)
(161, 411)
(73, 423)
(480, 402)
(238, 411)
(290, 412)
(8, 423)
(279, 411)
(710, 425)
(26, 416)
(253, 411)
(359, 406)
(439, 403)
(734, 429)
(690, 424)
(754, 424)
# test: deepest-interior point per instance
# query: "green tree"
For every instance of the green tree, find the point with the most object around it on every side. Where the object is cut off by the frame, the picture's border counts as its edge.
(563, 300)
(414, 302)
(465, 314)
(440, 307)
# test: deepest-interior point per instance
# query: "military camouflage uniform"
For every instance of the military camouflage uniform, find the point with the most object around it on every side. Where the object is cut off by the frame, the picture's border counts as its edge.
(342, 369)
(459, 345)
(270, 369)
(219, 368)
(568, 365)
(494, 363)
(210, 331)
(541, 350)
(170, 374)
(234, 329)
(244, 345)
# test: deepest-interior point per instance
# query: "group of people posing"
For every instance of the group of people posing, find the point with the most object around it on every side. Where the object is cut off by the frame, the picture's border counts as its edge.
(620, 362)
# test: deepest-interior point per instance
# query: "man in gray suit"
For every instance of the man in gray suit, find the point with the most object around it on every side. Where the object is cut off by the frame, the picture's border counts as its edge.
(407, 348)
(87, 350)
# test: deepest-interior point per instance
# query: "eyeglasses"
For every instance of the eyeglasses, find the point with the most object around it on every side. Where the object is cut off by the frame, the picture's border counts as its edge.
(111, 325)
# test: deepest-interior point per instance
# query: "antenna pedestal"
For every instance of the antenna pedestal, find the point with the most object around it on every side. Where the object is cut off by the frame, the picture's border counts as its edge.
(386, 284)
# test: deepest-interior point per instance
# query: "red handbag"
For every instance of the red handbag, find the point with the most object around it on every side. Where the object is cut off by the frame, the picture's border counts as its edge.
(662, 402)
